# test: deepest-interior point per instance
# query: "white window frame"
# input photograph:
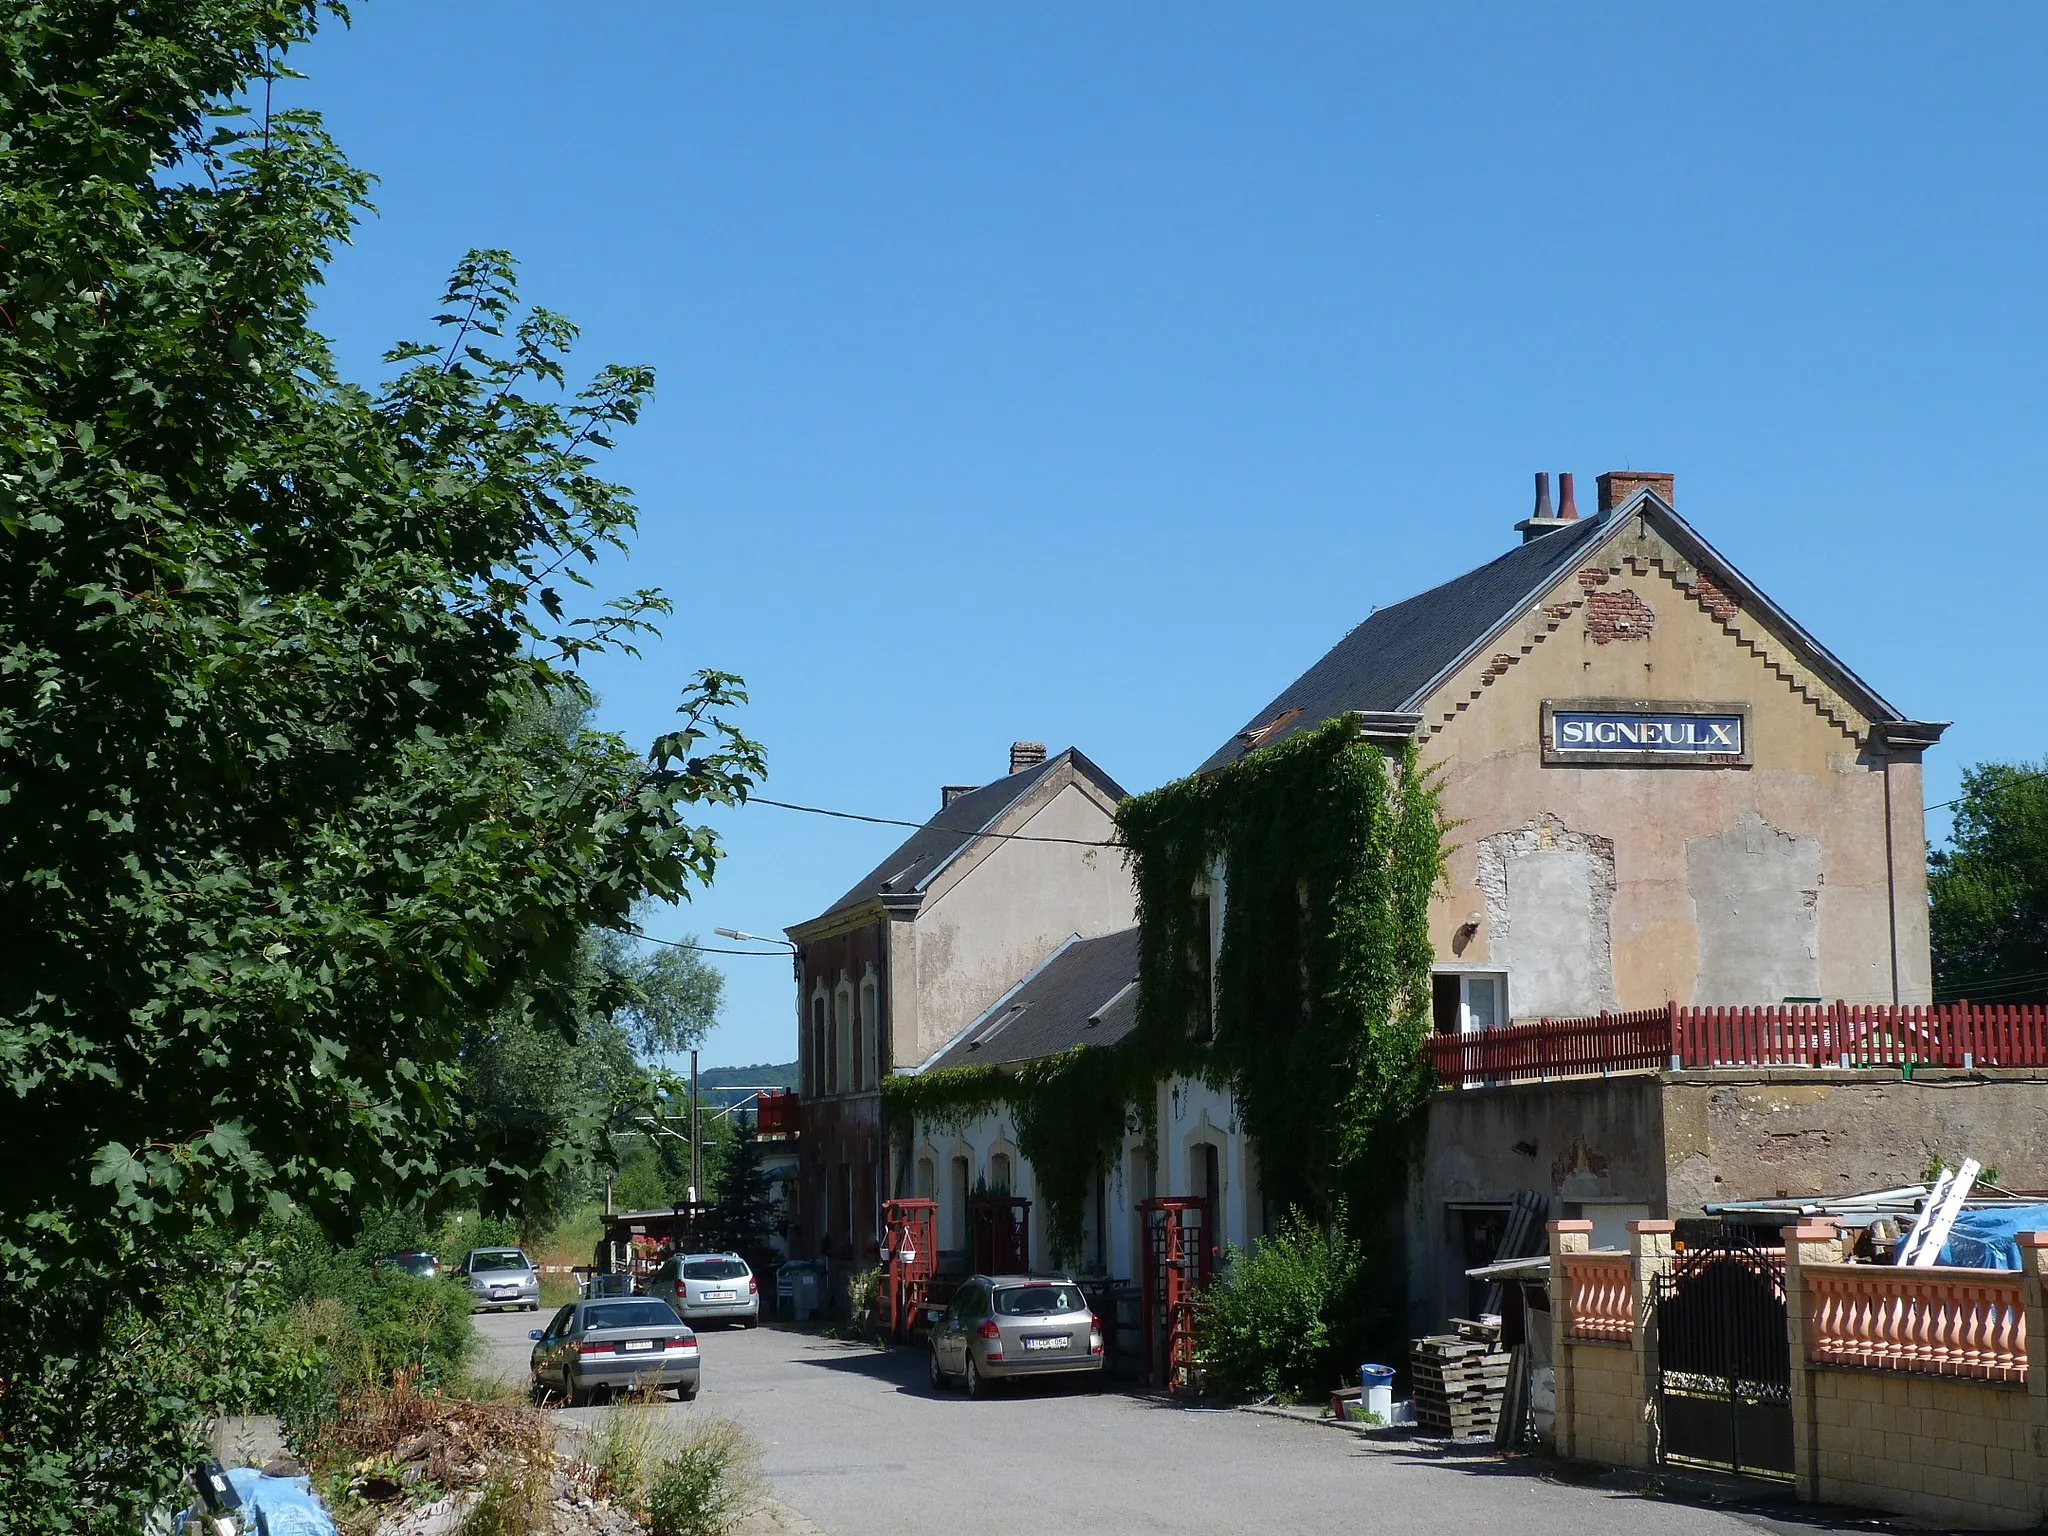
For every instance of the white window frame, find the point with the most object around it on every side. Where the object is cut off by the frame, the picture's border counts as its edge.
(1471, 979)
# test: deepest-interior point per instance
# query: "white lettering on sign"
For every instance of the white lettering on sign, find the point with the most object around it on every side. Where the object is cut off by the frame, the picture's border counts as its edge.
(1678, 735)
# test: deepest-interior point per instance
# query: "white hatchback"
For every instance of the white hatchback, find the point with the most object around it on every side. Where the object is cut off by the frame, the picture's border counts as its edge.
(709, 1288)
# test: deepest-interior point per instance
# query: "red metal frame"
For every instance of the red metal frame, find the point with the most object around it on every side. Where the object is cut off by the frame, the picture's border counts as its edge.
(1772, 1035)
(775, 1114)
(1179, 1261)
(910, 1237)
(999, 1234)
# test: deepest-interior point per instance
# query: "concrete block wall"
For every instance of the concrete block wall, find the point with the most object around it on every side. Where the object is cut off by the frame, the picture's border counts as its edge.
(1944, 1449)
(1948, 1450)
(1603, 1401)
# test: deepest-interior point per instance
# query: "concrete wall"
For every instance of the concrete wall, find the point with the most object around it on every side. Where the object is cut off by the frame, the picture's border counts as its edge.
(1764, 1134)
(1624, 886)
(1599, 1147)
(999, 910)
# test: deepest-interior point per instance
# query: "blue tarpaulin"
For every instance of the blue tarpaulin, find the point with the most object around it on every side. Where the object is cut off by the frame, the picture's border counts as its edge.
(1989, 1238)
(289, 1505)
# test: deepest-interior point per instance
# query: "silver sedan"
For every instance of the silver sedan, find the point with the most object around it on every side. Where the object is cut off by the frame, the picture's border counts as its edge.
(621, 1344)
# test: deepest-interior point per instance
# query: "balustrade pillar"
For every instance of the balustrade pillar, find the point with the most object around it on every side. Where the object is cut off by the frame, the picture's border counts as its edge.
(1811, 1242)
(1649, 1253)
(1565, 1237)
(2033, 1283)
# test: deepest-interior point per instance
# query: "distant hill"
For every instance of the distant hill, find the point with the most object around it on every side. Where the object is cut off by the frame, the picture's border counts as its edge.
(722, 1086)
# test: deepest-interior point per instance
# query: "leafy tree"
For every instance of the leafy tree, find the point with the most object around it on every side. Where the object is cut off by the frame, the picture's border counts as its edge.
(1988, 891)
(276, 822)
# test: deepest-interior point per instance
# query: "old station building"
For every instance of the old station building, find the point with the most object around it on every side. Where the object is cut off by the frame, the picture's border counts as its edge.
(1665, 790)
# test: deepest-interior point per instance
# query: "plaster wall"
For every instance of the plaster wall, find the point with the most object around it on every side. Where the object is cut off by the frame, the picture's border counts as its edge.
(1732, 1136)
(1689, 899)
(1002, 910)
(1191, 1115)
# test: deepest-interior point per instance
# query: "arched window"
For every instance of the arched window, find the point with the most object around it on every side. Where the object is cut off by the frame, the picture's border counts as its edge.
(999, 1176)
(843, 1082)
(814, 1075)
(870, 1033)
(927, 1179)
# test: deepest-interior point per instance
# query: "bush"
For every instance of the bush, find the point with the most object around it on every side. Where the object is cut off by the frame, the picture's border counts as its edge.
(1288, 1320)
(708, 1486)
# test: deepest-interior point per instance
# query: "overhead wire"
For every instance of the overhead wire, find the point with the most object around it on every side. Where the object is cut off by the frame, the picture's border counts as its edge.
(891, 821)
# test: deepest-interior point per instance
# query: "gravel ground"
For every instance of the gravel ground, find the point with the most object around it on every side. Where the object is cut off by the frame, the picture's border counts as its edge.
(856, 1441)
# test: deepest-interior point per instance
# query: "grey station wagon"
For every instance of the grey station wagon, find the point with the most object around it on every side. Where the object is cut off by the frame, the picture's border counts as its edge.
(1003, 1326)
(629, 1343)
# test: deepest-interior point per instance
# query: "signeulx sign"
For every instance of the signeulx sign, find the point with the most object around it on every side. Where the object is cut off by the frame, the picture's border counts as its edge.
(1640, 732)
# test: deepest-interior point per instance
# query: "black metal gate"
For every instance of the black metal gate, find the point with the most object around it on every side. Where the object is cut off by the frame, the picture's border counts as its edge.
(1724, 1364)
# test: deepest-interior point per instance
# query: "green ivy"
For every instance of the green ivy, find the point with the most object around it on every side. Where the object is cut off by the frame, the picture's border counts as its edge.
(1330, 849)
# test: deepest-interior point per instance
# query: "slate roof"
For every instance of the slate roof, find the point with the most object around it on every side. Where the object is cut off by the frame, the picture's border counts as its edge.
(1389, 664)
(1399, 651)
(1050, 1010)
(939, 841)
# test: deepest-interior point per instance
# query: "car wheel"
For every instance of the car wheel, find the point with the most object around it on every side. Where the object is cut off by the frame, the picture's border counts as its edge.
(940, 1380)
(977, 1384)
(687, 1394)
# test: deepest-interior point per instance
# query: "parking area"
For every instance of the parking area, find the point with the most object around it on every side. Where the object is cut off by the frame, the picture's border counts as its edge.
(856, 1441)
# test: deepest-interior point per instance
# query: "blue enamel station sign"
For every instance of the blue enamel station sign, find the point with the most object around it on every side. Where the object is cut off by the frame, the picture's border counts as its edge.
(1574, 730)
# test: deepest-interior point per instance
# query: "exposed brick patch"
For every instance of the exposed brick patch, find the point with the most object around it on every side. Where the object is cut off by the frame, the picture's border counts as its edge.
(1618, 615)
(1717, 600)
(1560, 611)
(1501, 662)
(1592, 576)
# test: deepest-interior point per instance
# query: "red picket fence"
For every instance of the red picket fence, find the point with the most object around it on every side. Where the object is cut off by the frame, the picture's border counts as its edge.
(1772, 1035)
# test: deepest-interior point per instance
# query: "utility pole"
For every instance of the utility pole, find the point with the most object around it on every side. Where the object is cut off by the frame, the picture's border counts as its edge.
(696, 1154)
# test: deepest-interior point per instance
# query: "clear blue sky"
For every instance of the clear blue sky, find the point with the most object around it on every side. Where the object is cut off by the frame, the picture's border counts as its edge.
(1082, 372)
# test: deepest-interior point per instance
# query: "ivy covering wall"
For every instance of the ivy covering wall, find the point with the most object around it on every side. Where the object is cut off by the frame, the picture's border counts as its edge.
(1330, 849)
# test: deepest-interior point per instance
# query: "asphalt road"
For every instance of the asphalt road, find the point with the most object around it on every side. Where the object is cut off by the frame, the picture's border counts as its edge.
(855, 1440)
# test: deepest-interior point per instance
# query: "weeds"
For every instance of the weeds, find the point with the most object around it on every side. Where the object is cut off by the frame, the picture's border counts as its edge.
(709, 1485)
(693, 1478)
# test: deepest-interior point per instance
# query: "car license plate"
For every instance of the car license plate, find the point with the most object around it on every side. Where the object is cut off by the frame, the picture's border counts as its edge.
(1061, 1341)
(635, 1346)
(721, 1295)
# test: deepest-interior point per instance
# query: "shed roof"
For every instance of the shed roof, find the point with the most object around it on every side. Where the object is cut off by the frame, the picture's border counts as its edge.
(1084, 993)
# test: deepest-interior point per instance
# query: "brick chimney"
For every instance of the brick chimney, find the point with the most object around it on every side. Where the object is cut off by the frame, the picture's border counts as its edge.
(1617, 485)
(1026, 754)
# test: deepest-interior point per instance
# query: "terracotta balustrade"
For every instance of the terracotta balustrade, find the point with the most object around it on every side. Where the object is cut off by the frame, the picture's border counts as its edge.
(1932, 1322)
(1597, 1291)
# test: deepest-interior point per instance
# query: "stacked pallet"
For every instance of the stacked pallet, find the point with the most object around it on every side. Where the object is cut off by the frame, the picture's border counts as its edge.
(1458, 1384)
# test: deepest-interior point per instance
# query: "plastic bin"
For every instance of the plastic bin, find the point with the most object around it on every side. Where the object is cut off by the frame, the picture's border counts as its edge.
(1376, 1391)
(800, 1290)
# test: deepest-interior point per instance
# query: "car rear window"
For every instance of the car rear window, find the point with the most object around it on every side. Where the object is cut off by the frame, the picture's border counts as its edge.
(629, 1314)
(1038, 1300)
(715, 1269)
(492, 1259)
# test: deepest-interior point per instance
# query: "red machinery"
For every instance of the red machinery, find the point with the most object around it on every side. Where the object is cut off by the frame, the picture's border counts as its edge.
(1179, 1260)
(910, 1239)
(999, 1234)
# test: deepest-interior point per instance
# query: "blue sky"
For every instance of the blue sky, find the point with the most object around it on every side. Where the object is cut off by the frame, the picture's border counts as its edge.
(1080, 373)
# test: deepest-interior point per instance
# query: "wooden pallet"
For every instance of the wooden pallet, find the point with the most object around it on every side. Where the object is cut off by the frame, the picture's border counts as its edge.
(1458, 1384)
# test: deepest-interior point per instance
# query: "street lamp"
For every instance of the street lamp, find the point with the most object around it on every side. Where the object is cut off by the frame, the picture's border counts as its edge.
(753, 938)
